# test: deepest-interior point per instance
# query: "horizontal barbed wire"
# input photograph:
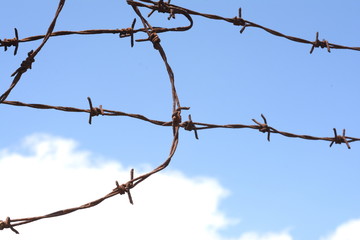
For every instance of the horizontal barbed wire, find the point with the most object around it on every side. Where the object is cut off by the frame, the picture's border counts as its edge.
(123, 32)
(176, 122)
(189, 125)
(162, 7)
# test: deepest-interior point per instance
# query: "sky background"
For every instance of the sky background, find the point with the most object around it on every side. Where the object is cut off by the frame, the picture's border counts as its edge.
(229, 184)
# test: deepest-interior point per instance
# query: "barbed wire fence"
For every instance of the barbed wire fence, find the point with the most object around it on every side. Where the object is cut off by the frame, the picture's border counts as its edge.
(176, 122)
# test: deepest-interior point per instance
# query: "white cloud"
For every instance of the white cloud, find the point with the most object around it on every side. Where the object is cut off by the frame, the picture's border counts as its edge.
(267, 236)
(47, 174)
(347, 231)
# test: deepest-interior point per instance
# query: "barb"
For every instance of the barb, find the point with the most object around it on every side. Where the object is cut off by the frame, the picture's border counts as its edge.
(94, 111)
(340, 139)
(7, 224)
(190, 126)
(129, 32)
(317, 43)
(263, 127)
(11, 42)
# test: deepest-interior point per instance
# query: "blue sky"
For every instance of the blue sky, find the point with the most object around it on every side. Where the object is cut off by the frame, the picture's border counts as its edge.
(299, 188)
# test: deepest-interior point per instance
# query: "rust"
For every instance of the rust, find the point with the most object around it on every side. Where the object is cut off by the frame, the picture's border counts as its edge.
(338, 139)
(11, 42)
(7, 224)
(94, 111)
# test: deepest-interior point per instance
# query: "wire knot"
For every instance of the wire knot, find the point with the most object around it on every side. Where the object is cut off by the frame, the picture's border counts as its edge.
(176, 118)
(263, 127)
(94, 111)
(190, 126)
(163, 7)
(239, 21)
(125, 188)
(129, 32)
(338, 139)
(317, 43)
(121, 188)
(154, 38)
(25, 65)
(7, 224)
(126, 32)
(11, 42)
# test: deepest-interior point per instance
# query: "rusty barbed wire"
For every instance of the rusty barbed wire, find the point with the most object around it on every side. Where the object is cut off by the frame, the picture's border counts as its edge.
(189, 125)
(123, 188)
(123, 32)
(176, 116)
(27, 63)
(100, 110)
(166, 7)
(11, 42)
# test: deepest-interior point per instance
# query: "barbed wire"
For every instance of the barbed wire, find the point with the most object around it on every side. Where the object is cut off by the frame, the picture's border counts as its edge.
(190, 125)
(176, 116)
(124, 32)
(27, 63)
(166, 7)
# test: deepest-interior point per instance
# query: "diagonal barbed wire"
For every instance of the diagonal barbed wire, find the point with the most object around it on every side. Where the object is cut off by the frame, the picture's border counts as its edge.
(27, 63)
(176, 122)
